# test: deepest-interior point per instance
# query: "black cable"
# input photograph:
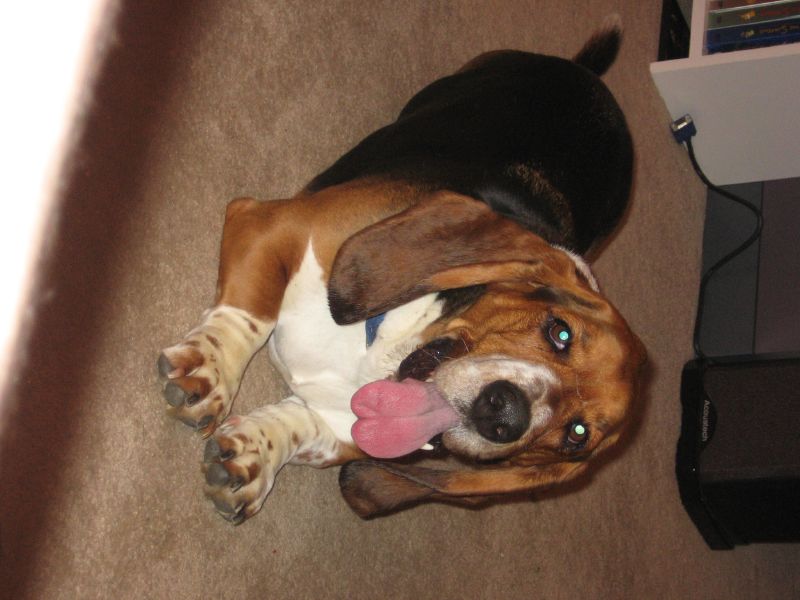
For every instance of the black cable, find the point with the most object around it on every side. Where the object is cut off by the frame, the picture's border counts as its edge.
(728, 257)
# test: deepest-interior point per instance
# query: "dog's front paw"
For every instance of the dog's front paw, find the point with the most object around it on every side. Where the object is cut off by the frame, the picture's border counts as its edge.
(202, 373)
(195, 388)
(237, 468)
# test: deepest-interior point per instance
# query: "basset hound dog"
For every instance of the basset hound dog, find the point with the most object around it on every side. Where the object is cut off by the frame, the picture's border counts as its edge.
(429, 288)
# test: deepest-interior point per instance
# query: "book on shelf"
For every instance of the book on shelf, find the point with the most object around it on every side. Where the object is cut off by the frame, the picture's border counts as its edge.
(754, 13)
(726, 4)
(755, 26)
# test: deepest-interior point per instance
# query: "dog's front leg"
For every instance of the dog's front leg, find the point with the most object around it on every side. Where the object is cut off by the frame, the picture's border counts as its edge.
(203, 371)
(245, 454)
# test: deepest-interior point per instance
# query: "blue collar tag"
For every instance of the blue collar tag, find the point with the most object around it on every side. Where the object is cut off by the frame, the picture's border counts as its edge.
(371, 325)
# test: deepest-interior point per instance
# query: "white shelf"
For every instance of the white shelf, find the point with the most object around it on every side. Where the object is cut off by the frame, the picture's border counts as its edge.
(745, 104)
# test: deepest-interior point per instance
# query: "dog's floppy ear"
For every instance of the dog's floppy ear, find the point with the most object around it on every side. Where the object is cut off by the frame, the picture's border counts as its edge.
(446, 241)
(372, 488)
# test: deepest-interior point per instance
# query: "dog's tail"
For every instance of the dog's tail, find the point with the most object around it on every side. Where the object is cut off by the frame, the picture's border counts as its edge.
(599, 52)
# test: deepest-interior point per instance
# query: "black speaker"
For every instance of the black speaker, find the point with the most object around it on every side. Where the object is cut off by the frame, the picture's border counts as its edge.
(738, 456)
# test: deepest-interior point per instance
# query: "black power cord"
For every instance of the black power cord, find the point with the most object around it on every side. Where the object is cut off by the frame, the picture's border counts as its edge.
(684, 130)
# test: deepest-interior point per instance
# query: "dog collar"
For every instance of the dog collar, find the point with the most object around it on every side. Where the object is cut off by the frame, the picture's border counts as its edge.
(371, 325)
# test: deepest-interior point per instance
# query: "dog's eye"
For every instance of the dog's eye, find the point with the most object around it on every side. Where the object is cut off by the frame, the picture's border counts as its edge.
(578, 435)
(558, 334)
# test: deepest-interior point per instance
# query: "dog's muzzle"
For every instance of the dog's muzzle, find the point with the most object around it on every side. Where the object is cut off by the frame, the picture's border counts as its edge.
(501, 413)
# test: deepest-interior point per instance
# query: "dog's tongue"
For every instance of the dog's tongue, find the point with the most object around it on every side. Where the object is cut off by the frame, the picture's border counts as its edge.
(395, 419)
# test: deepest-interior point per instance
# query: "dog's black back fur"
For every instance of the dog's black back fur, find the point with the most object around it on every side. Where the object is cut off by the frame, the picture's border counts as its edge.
(539, 138)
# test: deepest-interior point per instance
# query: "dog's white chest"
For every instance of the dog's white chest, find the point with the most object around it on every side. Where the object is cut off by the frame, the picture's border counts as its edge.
(308, 347)
(325, 363)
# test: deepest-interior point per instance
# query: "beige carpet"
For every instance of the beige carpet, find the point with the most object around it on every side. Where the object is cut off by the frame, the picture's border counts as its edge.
(204, 101)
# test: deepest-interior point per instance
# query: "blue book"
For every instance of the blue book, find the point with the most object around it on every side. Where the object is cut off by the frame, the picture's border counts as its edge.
(753, 35)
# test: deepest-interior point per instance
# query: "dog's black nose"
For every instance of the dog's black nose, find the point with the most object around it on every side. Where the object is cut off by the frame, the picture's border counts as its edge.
(501, 412)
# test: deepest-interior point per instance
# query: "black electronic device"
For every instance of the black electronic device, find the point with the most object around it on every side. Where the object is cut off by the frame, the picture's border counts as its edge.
(738, 457)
